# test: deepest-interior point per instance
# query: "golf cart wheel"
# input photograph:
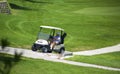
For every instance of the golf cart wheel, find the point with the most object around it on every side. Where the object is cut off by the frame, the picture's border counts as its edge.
(49, 51)
(33, 48)
(62, 50)
(44, 49)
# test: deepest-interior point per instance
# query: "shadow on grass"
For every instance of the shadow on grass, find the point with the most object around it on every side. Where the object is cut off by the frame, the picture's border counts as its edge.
(4, 43)
(45, 2)
(14, 6)
(7, 62)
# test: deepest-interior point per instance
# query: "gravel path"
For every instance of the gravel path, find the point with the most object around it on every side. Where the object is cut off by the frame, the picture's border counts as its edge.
(99, 51)
(51, 57)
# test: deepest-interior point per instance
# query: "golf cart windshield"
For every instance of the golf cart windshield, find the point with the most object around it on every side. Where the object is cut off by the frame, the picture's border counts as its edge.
(48, 31)
(44, 36)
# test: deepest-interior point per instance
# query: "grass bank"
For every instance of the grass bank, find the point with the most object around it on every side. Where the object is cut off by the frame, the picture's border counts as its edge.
(109, 59)
(33, 66)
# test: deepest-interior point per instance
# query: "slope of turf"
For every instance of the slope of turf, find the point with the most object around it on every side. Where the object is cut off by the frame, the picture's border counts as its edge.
(89, 24)
(110, 59)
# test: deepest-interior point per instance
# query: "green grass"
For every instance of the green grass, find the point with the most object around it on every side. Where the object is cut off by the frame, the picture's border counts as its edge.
(109, 59)
(89, 24)
(33, 66)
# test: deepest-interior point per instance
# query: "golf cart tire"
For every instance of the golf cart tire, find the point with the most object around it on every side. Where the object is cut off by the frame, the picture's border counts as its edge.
(62, 50)
(49, 51)
(33, 48)
(44, 49)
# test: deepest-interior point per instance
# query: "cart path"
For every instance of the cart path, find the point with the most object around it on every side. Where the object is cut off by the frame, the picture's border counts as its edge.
(51, 57)
(109, 49)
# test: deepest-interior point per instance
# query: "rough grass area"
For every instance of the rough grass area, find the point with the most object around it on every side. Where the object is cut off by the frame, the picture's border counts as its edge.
(89, 24)
(32, 66)
(110, 59)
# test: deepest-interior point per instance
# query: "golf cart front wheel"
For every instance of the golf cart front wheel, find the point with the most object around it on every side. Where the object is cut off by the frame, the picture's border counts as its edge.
(44, 49)
(33, 48)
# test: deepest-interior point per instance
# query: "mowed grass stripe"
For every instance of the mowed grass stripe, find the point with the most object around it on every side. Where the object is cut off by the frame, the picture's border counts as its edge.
(12, 27)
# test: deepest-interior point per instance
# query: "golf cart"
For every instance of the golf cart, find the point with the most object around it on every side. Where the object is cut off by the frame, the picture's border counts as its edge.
(44, 38)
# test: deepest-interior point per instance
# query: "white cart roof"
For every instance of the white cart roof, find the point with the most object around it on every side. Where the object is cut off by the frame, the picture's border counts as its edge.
(51, 27)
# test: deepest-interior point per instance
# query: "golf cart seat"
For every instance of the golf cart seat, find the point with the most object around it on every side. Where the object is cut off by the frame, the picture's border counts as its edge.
(63, 37)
